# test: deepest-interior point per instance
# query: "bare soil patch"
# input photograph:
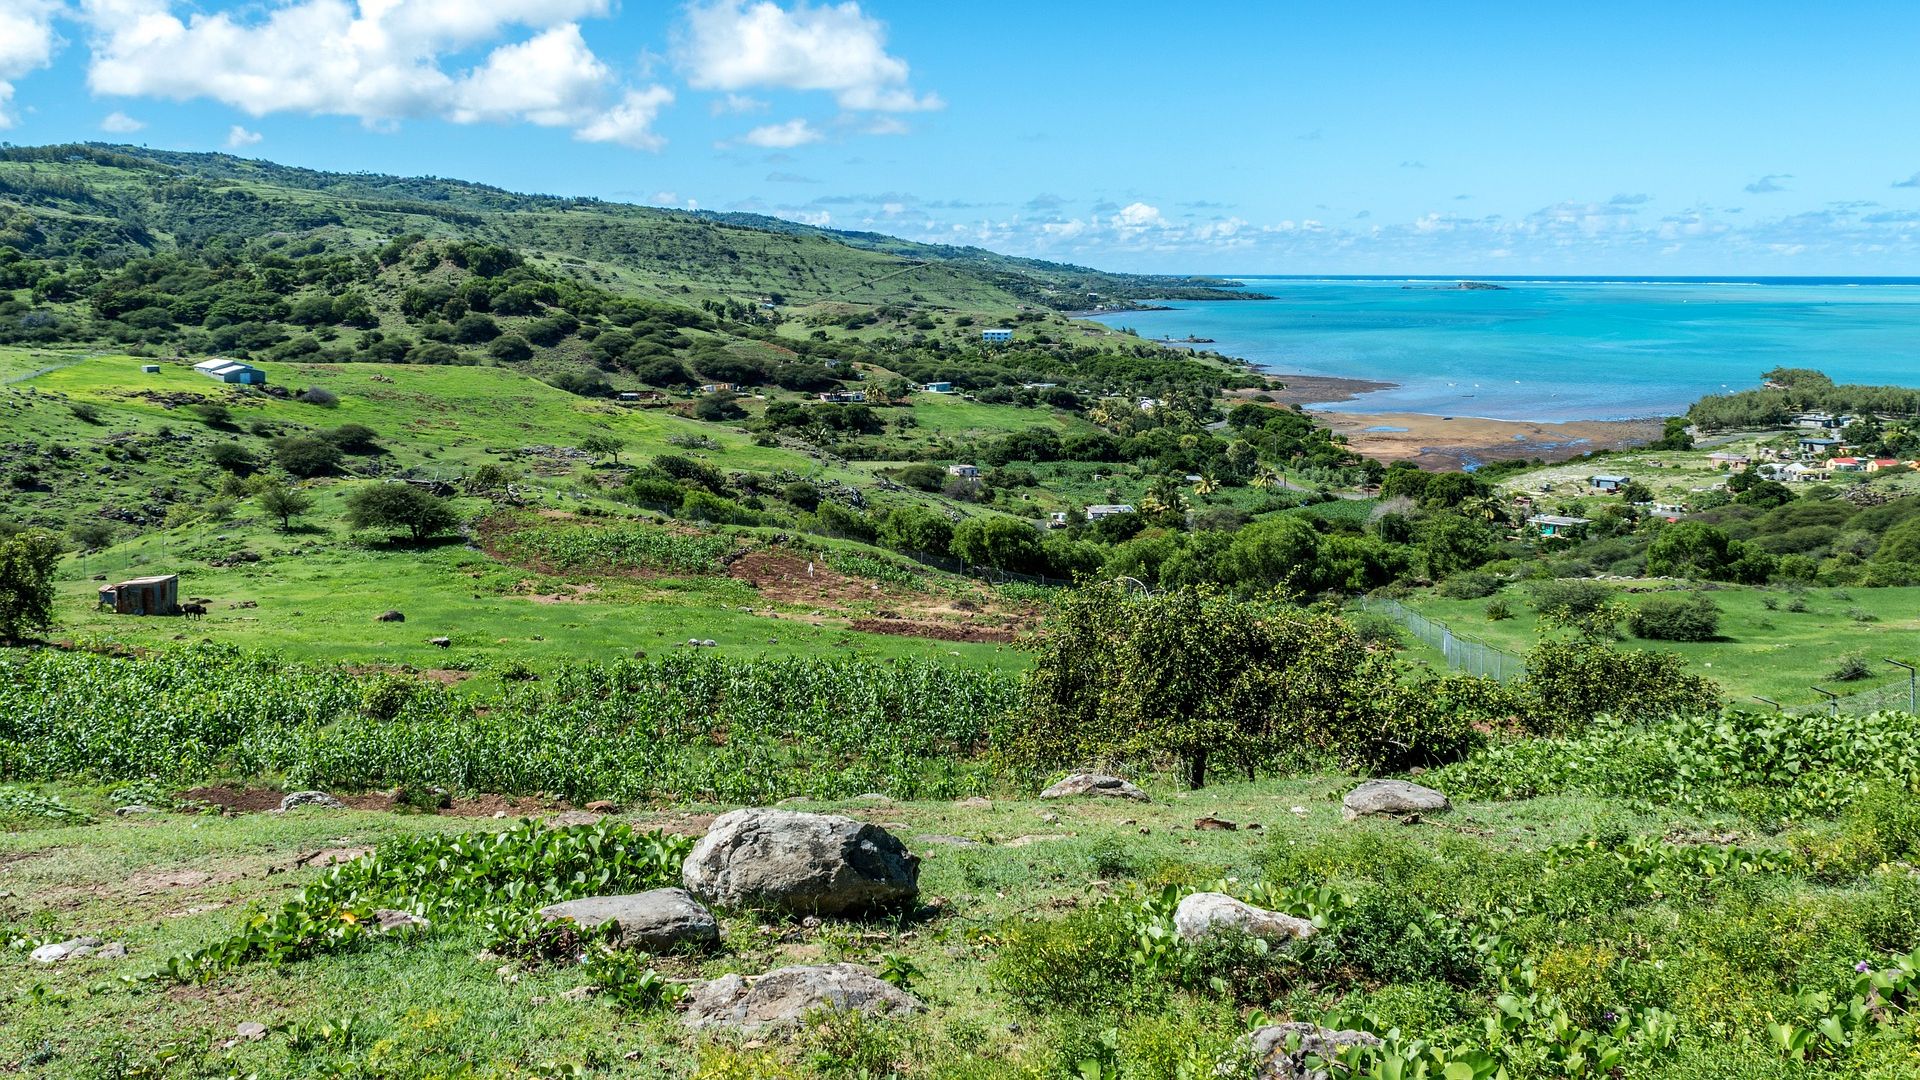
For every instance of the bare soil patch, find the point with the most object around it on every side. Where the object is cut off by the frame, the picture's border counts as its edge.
(236, 800)
(793, 579)
(937, 631)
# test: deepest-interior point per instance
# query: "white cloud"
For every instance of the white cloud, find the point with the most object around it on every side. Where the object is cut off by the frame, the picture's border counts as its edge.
(630, 123)
(120, 123)
(784, 135)
(1769, 184)
(1139, 216)
(736, 103)
(886, 125)
(731, 45)
(380, 61)
(27, 44)
(238, 137)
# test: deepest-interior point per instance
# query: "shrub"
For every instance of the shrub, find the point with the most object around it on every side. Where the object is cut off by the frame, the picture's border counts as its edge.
(85, 412)
(1851, 669)
(353, 438)
(306, 456)
(1676, 617)
(1571, 683)
(400, 508)
(232, 457)
(1499, 610)
(1470, 585)
(27, 562)
(321, 396)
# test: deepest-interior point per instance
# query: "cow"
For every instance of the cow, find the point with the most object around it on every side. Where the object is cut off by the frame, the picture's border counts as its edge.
(194, 611)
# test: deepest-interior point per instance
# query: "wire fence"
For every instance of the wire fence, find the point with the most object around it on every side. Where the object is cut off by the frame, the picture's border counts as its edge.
(1463, 653)
(1897, 696)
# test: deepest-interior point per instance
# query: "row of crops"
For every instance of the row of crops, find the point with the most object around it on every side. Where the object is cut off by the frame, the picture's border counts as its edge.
(687, 727)
(616, 547)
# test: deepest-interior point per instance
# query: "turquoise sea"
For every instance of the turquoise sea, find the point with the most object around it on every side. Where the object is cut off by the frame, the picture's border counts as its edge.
(1570, 349)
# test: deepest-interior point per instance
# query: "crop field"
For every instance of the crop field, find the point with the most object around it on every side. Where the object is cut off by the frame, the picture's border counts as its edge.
(1592, 908)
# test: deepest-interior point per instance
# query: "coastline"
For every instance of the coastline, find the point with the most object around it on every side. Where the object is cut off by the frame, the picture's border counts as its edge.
(1446, 443)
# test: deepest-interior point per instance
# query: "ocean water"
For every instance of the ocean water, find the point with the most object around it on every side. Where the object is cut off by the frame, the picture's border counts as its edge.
(1571, 349)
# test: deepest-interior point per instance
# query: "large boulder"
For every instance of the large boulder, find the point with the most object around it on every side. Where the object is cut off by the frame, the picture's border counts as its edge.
(1094, 784)
(1276, 1058)
(807, 864)
(783, 997)
(293, 800)
(1393, 798)
(1203, 915)
(654, 921)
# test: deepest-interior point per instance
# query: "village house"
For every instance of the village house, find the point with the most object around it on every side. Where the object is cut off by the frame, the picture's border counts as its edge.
(1560, 527)
(231, 371)
(1057, 519)
(1846, 464)
(844, 397)
(1883, 463)
(939, 388)
(1609, 483)
(159, 595)
(717, 388)
(1107, 510)
(964, 472)
(1800, 471)
(996, 336)
(1819, 445)
(1730, 462)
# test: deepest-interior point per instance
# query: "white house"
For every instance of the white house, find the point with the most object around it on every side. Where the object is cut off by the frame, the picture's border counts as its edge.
(1107, 510)
(964, 472)
(231, 371)
(996, 336)
(939, 388)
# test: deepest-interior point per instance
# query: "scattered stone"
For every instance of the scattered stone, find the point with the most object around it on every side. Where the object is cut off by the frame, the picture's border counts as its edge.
(134, 810)
(251, 1030)
(870, 797)
(569, 818)
(390, 616)
(784, 997)
(1273, 1059)
(499, 815)
(1214, 824)
(388, 921)
(71, 949)
(1393, 798)
(115, 951)
(1202, 915)
(1094, 784)
(1049, 817)
(600, 806)
(579, 993)
(294, 799)
(947, 841)
(810, 864)
(1038, 838)
(976, 802)
(657, 920)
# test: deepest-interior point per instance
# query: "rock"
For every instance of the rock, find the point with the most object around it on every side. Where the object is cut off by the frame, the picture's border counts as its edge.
(976, 802)
(295, 799)
(1214, 824)
(115, 951)
(579, 993)
(134, 810)
(870, 797)
(390, 616)
(252, 1030)
(657, 920)
(70, 949)
(1201, 915)
(569, 818)
(1047, 817)
(388, 920)
(947, 841)
(1024, 841)
(441, 642)
(1273, 1060)
(1395, 798)
(1094, 784)
(600, 806)
(784, 997)
(806, 864)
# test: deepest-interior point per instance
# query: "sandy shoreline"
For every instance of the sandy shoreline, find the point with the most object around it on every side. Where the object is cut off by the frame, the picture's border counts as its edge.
(1442, 443)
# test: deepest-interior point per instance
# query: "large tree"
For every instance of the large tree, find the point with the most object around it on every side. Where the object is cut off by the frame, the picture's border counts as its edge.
(400, 508)
(27, 561)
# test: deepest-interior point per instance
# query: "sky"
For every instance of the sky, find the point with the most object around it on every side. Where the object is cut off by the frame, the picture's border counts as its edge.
(1715, 138)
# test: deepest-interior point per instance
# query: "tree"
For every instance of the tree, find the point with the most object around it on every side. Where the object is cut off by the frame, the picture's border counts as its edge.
(602, 445)
(306, 456)
(915, 529)
(1676, 617)
(1695, 549)
(400, 507)
(27, 561)
(510, 349)
(1573, 682)
(283, 502)
(998, 541)
(1198, 676)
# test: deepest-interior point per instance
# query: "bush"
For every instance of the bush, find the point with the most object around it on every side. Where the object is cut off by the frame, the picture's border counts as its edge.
(27, 562)
(510, 349)
(1676, 617)
(232, 457)
(400, 508)
(321, 396)
(306, 456)
(1470, 585)
(1572, 683)
(1851, 669)
(353, 438)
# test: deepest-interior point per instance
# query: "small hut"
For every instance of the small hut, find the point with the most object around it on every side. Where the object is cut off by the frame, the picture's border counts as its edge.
(144, 596)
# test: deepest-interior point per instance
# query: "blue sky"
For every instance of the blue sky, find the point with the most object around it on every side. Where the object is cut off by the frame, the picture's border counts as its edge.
(1701, 138)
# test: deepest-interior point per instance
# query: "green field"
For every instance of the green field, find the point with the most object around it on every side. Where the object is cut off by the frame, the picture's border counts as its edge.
(1769, 652)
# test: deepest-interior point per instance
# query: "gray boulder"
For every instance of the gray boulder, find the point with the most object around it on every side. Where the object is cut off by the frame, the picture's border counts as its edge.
(1393, 798)
(1094, 784)
(1274, 1060)
(392, 921)
(71, 949)
(783, 997)
(1202, 915)
(805, 864)
(654, 921)
(295, 799)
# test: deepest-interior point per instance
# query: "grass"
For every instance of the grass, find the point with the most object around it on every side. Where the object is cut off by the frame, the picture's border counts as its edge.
(1777, 653)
